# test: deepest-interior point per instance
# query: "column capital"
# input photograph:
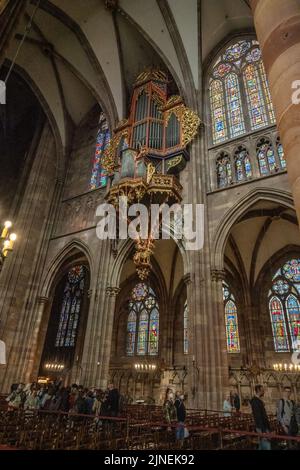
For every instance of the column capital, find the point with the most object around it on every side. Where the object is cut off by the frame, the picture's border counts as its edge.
(89, 293)
(187, 279)
(218, 274)
(112, 291)
(42, 300)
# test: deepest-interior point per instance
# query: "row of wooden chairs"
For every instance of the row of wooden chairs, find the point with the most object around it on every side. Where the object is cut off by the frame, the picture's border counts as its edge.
(50, 430)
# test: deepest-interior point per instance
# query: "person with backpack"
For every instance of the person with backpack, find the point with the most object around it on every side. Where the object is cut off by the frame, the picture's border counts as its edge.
(286, 414)
(181, 430)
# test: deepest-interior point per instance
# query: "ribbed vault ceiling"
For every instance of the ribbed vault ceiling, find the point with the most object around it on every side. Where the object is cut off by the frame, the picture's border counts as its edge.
(81, 52)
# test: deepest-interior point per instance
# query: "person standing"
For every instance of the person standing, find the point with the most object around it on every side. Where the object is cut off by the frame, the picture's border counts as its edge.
(227, 408)
(261, 420)
(113, 398)
(235, 401)
(169, 409)
(181, 415)
(286, 414)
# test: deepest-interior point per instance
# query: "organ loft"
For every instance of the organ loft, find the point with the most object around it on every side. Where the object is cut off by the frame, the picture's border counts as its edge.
(178, 107)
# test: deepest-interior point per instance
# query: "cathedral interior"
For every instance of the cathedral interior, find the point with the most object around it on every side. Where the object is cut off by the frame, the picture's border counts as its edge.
(160, 101)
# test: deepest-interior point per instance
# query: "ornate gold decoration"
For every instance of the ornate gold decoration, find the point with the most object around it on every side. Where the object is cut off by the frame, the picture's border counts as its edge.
(121, 124)
(172, 101)
(174, 161)
(148, 75)
(133, 189)
(109, 162)
(158, 100)
(177, 110)
(150, 172)
(144, 251)
(165, 188)
(190, 124)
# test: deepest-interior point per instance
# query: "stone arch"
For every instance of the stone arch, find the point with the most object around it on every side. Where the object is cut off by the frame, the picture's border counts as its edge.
(125, 248)
(72, 254)
(60, 153)
(74, 247)
(233, 215)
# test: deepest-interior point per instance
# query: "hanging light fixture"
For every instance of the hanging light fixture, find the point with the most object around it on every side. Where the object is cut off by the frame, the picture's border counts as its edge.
(8, 239)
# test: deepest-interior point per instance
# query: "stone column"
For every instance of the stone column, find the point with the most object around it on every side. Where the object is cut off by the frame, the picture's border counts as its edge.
(21, 274)
(277, 25)
(35, 354)
(111, 292)
(97, 344)
(253, 337)
(218, 338)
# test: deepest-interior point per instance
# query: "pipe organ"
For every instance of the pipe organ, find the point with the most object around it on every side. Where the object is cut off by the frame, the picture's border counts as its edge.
(148, 150)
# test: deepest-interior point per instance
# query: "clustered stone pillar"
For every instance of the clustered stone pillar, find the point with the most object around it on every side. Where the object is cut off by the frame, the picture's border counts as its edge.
(277, 25)
(98, 337)
(19, 309)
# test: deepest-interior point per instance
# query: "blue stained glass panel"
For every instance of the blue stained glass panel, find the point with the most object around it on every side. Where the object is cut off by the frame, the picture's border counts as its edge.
(142, 322)
(234, 105)
(99, 175)
(131, 330)
(232, 333)
(231, 320)
(218, 117)
(293, 309)
(70, 307)
(281, 155)
(291, 270)
(143, 333)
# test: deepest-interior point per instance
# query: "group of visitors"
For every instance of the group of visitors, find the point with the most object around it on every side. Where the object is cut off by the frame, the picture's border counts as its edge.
(287, 413)
(56, 397)
(175, 411)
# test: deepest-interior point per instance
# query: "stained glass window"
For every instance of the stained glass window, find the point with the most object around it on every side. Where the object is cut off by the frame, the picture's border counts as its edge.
(293, 310)
(239, 71)
(70, 307)
(266, 157)
(284, 306)
(142, 322)
(99, 175)
(153, 332)
(243, 168)
(143, 333)
(267, 92)
(278, 325)
(234, 105)
(281, 154)
(256, 105)
(231, 321)
(131, 329)
(218, 111)
(224, 171)
(185, 328)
